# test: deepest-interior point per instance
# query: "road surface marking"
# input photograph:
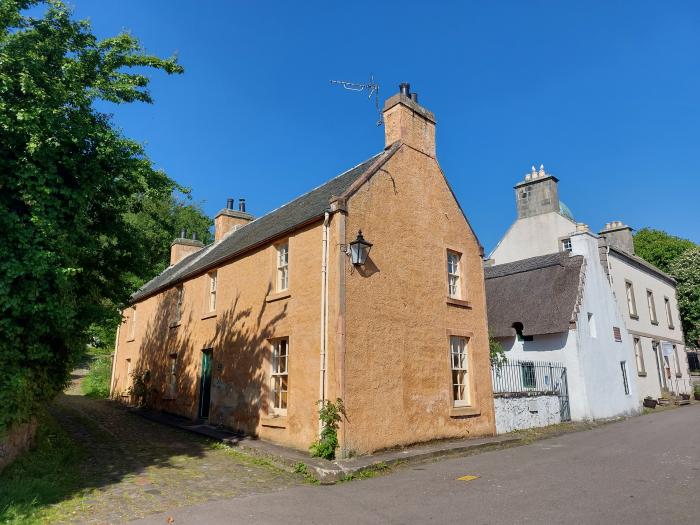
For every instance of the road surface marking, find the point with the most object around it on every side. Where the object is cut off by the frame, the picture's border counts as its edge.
(467, 478)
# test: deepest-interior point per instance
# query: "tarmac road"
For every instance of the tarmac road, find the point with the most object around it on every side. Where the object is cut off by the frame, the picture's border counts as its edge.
(644, 470)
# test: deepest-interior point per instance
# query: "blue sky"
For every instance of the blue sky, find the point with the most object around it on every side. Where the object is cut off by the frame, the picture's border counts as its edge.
(605, 94)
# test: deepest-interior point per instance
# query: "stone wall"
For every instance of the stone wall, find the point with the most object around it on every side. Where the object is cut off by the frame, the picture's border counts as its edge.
(18, 439)
(519, 413)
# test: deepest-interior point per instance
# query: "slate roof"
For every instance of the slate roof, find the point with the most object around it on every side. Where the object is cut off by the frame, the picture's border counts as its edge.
(643, 265)
(541, 293)
(300, 211)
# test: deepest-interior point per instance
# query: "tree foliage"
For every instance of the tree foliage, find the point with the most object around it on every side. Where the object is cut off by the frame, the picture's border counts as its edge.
(660, 248)
(680, 258)
(71, 189)
(686, 269)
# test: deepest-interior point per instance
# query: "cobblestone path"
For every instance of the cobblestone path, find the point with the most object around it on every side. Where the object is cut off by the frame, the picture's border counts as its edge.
(134, 467)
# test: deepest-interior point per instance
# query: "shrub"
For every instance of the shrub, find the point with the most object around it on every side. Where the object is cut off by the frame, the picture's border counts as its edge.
(330, 415)
(96, 382)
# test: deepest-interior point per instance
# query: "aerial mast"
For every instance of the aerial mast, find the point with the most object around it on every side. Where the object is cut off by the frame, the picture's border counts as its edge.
(371, 87)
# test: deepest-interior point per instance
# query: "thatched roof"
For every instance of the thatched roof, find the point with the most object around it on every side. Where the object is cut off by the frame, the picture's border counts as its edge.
(541, 293)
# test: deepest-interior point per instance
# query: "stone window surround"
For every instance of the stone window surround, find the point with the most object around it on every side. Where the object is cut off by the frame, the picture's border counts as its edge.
(179, 305)
(212, 289)
(461, 300)
(631, 300)
(625, 379)
(562, 246)
(473, 408)
(669, 314)
(132, 325)
(639, 356)
(651, 304)
(454, 274)
(281, 267)
(274, 412)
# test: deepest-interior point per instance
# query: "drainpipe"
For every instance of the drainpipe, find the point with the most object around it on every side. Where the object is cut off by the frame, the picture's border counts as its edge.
(114, 358)
(324, 309)
(340, 334)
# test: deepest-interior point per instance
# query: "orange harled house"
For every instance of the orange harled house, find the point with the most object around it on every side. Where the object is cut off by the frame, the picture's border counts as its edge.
(368, 288)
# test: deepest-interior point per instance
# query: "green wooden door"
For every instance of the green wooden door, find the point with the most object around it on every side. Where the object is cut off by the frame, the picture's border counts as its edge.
(205, 385)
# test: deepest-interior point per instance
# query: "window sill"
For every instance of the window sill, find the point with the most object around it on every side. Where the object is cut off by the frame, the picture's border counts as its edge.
(175, 325)
(642, 374)
(131, 340)
(634, 316)
(655, 323)
(678, 375)
(458, 302)
(274, 421)
(209, 315)
(278, 296)
(464, 411)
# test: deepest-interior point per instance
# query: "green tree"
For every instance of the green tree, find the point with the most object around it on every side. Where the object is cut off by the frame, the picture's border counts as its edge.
(158, 220)
(686, 269)
(680, 258)
(70, 181)
(660, 248)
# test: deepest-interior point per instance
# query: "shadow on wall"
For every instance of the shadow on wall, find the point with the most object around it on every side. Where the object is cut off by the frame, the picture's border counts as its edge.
(368, 269)
(539, 343)
(171, 360)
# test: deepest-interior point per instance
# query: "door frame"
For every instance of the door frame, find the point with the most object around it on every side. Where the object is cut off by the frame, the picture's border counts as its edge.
(207, 354)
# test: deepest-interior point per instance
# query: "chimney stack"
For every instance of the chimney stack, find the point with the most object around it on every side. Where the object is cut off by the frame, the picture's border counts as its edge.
(618, 235)
(182, 247)
(408, 121)
(229, 219)
(537, 194)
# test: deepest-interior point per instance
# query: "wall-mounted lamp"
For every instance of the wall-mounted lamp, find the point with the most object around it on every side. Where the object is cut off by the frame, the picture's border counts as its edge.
(359, 250)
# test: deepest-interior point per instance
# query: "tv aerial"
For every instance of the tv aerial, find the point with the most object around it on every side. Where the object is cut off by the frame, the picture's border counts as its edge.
(371, 87)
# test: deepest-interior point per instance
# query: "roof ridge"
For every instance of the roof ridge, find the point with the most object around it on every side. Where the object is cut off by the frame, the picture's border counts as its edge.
(319, 186)
(303, 209)
(643, 262)
(529, 264)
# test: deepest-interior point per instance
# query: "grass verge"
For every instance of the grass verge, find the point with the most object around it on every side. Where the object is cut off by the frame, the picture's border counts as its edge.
(40, 477)
(96, 383)
(372, 471)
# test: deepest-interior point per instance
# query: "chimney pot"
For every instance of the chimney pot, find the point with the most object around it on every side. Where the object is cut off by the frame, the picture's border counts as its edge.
(183, 233)
(229, 204)
(414, 97)
(405, 89)
(194, 236)
(241, 205)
